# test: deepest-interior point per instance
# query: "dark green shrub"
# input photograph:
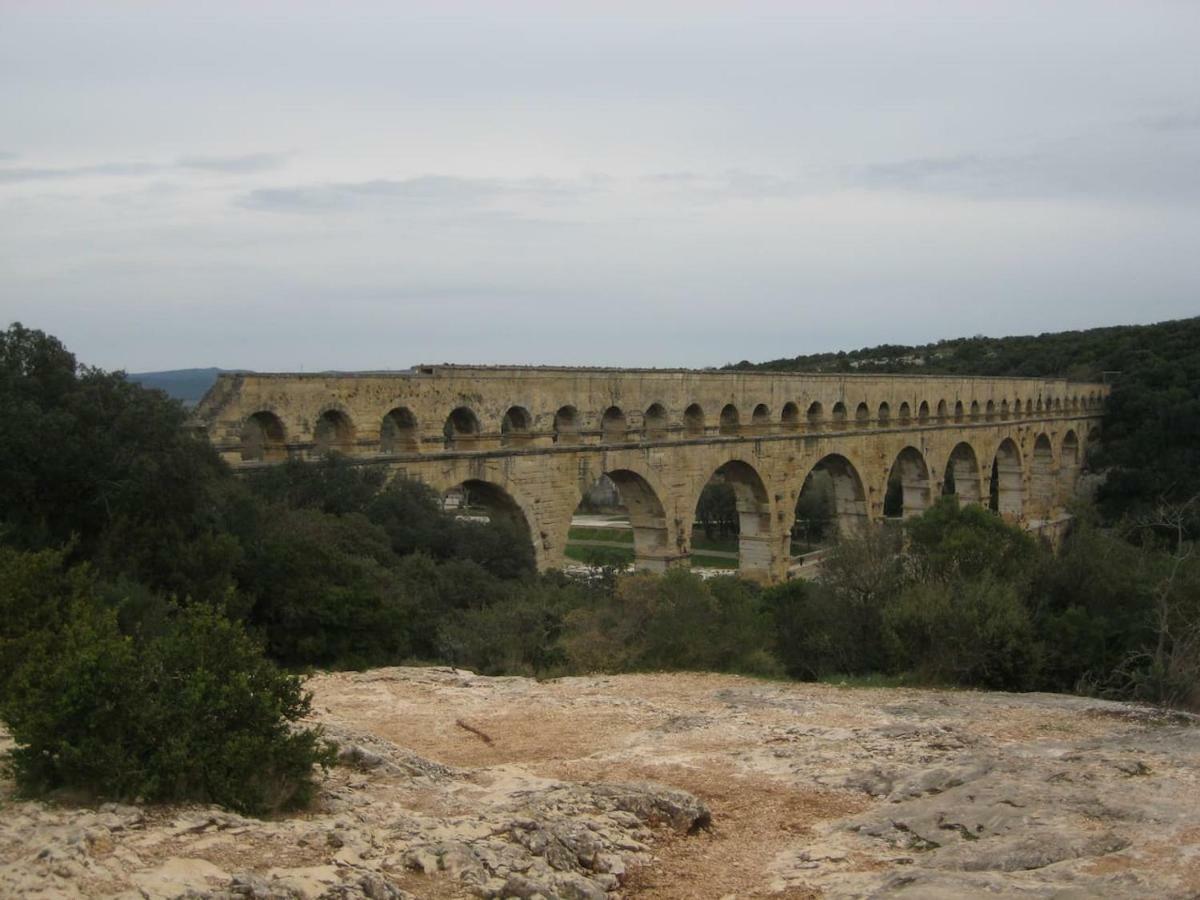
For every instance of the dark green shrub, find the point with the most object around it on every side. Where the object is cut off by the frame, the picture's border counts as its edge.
(516, 636)
(1092, 605)
(974, 633)
(819, 632)
(672, 621)
(324, 590)
(333, 485)
(92, 461)
(951, 540)
(193, 713)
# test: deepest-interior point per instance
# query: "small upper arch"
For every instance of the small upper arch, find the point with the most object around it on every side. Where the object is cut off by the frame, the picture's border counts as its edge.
(693, 419)
(654, 421)
(566, 425)
(334, 433)
(264, 437)
(398, 432)
(516, 426)
(839, 414)
(816, 414)
(789, 418)
(729, 419)
(761, 417)
(461, 428)
(613, 425)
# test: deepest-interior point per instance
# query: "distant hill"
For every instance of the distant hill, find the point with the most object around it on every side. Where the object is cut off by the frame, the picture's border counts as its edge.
(1079, 355)
(188, 385)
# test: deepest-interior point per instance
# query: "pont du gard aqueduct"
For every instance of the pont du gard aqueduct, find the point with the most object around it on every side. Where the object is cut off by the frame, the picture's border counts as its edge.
(528, 442)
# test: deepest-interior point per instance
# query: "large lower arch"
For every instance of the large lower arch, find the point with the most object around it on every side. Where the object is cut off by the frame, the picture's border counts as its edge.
(1068, 466)
(849, 501)
(647, 517)
(1006, 492)
(908, 492)
(756, 550)
(962, 474)
(1042, 494)
(498, 505)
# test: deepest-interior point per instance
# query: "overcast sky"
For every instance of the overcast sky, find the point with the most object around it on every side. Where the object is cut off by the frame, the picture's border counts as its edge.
(349, 185)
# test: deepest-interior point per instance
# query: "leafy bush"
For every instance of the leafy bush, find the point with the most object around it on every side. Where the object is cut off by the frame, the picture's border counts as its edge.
(819, 633)
(516, 636)
(673, 621)
(91, 459)
(323, 590)
(195, 713)
(952, 540)
(974, 632)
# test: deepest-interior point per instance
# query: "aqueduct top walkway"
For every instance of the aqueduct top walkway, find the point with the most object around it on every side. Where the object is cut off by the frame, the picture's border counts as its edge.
(530, 441)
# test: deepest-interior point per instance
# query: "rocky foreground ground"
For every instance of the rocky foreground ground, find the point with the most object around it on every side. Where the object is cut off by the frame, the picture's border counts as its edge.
(668, 786)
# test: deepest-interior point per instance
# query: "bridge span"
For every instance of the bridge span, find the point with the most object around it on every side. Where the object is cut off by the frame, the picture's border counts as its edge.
(528, 442)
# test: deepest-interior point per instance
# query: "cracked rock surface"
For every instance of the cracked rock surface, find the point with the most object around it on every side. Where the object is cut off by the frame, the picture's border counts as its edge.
(683, 786)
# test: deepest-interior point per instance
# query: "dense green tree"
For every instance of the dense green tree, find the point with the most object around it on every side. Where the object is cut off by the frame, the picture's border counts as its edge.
(975, 631)
(192, 712)
(90, 460)
(952, 540)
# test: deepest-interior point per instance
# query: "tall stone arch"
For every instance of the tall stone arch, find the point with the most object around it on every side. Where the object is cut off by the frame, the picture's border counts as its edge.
(1042, 487)
(501, 501)
(962, 478)
(760, 553)
(911, 471)
(851, 508)
(1006, 489)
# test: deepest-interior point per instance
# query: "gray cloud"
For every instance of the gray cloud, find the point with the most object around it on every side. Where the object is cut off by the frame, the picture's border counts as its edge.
(35, 173)
(248, 164)
(424, 191)
(1173, 122)
(964, 173)
(235, 165)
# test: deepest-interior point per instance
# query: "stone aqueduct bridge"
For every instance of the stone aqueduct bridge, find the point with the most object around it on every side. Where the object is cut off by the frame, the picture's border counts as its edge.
(530, 441)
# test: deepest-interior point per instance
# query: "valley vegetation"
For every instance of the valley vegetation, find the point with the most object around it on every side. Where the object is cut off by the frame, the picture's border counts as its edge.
(157, 611)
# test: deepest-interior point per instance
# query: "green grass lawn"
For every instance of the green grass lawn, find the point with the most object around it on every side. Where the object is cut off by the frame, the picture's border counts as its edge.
(610, 535)
(621, 550)
(728, 544)
(714, 562)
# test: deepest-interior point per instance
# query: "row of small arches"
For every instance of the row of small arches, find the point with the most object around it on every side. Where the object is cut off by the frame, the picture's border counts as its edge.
(264, 435)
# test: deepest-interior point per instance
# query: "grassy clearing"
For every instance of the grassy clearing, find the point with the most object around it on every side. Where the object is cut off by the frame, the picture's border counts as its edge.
(608, 535)
(714, 562)
(727, 544)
